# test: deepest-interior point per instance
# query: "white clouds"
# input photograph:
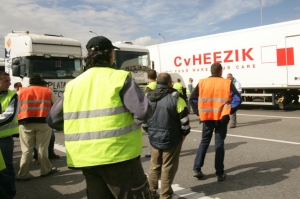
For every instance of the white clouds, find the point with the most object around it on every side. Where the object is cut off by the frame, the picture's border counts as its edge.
(136, 20)
(147, 41)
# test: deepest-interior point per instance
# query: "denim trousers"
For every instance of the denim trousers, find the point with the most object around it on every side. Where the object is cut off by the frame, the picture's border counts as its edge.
(7, 176)
(220, 128)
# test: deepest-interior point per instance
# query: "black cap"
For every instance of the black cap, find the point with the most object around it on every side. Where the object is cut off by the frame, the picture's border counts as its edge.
(99, 43)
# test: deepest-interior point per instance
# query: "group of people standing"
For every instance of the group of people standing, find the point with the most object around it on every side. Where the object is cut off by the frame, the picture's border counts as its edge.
(102, 127)
(23, 115)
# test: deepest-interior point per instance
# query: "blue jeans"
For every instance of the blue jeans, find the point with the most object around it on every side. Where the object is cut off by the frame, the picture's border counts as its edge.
(220, 128)
(7, 176)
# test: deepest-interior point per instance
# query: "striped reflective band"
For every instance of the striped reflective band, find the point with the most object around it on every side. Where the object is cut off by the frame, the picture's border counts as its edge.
(9, 126)
(35, 108)
(214, 109)
(95, 113)
(35, 101)
(184, 120)
(185, 127)
(213, 100)
(101, 134)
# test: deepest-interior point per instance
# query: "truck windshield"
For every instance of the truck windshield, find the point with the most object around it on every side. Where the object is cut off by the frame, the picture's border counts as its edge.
(132, 61)
(53, 68)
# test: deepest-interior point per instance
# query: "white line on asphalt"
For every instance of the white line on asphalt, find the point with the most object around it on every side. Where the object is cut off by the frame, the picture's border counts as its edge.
(270, 116)
(59, 147)
(175, 187)
(256, 138)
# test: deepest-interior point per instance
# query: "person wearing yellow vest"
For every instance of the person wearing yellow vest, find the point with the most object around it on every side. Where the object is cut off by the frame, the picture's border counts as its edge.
(35, 103)
(101, 112)
(3, 194)
(178, 86)
(189, 90)
(8, 129)
(152, 81)
(150, 87)
(213, 100)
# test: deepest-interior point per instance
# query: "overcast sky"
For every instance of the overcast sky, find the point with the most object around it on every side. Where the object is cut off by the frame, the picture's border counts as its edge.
(140, 21)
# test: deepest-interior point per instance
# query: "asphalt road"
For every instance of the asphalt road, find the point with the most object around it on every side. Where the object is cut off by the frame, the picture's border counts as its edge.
(262, 161)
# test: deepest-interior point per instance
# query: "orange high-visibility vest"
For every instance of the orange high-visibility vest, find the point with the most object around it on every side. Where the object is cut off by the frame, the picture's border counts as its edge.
(34, 101)
(214, 99)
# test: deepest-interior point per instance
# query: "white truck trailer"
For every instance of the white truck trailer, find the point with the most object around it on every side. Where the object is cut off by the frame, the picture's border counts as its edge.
(265, 59)
(55, 58)
(135, 59)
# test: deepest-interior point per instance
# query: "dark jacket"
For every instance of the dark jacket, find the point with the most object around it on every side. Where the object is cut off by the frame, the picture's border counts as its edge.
(167, 126)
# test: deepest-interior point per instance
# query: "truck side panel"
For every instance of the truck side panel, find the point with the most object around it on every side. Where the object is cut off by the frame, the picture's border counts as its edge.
(262, 57)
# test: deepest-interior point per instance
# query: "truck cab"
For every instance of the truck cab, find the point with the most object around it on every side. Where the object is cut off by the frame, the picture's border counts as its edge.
(135, 59)
(55, 58)
(2, 64)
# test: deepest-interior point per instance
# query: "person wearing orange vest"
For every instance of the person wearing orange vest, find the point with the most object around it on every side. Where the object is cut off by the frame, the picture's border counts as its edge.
(213, 100)
(35, 103)
(8, 129)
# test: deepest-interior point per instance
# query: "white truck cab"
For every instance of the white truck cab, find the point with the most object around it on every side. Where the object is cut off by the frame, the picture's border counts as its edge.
(55, 58)
(135, 59)
(2, 64)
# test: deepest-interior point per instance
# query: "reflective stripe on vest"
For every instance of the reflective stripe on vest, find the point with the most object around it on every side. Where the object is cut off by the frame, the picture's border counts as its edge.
(102, 134)
(35, 101)
(95, 113)
(214, 98)
(98, 127)
(12, 127)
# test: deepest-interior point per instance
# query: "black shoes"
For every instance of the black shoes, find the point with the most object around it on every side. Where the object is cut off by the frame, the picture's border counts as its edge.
(221, 177)
(52, 171)
(53, 156)
(21, 179)
(148, 155)
(198, 174)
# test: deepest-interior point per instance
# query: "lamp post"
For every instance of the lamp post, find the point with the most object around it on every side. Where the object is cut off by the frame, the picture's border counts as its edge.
(261, 21)
(93, 32)
(162, 36)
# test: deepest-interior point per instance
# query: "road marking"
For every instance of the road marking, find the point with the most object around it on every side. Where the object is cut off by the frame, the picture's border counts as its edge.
(59, 147)
(269, 116)
(183, 192)
(256, 138)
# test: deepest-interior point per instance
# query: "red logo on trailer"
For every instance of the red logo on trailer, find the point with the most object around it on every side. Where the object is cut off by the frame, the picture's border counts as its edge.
(285, 56)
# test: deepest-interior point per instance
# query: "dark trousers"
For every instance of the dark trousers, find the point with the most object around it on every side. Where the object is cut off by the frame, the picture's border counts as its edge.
(7, 176)
(123, 180)
(220, 129)
(50, 147)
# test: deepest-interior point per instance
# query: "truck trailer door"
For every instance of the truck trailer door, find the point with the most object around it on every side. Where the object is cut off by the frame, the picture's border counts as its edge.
(292, 52)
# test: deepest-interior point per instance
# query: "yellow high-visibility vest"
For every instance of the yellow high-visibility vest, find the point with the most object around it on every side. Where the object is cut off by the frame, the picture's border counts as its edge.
(12, 127)
(98, 128)
(178, 87)
(152, 85)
